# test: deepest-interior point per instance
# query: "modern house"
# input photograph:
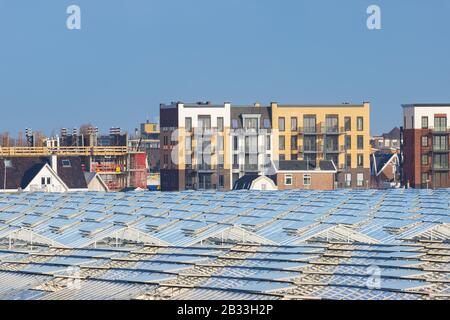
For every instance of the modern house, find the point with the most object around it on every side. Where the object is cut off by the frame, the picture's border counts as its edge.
(425, 148)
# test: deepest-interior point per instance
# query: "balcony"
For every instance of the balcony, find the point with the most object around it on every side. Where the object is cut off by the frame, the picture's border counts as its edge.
(322, 129)
(441, 168)
(440, 130)
(340, 149)
(441, 149)
(312, 149)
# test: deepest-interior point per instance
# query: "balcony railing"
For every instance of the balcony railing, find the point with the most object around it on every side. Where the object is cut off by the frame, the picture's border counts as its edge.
(312, 149)
(336, 149)
(322, 129)
(440, 130)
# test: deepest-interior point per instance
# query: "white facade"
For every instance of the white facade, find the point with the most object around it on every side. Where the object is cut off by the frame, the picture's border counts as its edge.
(413, 114)
(47, 181)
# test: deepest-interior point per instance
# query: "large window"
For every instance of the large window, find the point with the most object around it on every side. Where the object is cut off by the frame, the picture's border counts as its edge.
(348, 123)
(424, 122)
(281, 124)
(309, 123)
(424, 141)
(360, 123)
(310, 143)
(288, 180)
(294, 124)
(204, 122)
(440, 161)
(440, 123)
(332, 124)
(251, 123)
(440, 143)
(282, 143)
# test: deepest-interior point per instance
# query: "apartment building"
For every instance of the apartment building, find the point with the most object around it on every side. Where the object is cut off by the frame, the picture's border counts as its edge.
(195, 140)
(251, 143)
(208, 146)
(425, 147)
(340, 133)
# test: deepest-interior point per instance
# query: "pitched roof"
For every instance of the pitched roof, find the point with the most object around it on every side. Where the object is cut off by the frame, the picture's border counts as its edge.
(303, 165)
(24, 169)
(246, 181)
(380, 160)
(73, 175)
(21, 172)
(393, 134)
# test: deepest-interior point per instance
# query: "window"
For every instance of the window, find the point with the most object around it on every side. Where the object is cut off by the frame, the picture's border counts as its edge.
(424, 159)
(234, 123)
(294, 124)
(309, 123)
(43, 181)
(440, 161)
(360, 142)
(348, 180)
(440, 143)
(281, 124)
(235, 143)
(235, 160)
(66, 163)
(166, 159)
(348, 161)
(220, 124)
(425, 179)
(424, 141)
(288, 180)
(360, 123)
(282, 143)
(266, 123)
(251, 123)
(188, 124)
(360, 161)
(268, 143)
(306, 179)
(294, 143)
(424, 122)
(204, 122)
(348, 124)
(221, 181)
(220, 143)
(348, 142)
(188, 143)
(360, 179)
(294, 156)
(440, 123)
(165, 140)
(332, 123)
(282, 157)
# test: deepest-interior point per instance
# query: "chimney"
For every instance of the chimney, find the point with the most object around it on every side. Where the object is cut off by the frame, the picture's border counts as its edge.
(54, 162)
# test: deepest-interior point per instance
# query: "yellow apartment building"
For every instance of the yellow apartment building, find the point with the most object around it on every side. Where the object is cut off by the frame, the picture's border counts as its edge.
(325, 132)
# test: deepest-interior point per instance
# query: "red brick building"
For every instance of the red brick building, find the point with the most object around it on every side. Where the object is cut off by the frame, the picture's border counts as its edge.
(425, 147)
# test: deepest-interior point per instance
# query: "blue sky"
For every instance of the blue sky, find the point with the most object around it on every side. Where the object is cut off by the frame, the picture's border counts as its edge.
(132, 55)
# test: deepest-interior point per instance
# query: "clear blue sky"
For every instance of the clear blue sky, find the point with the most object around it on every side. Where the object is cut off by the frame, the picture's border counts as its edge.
(132, 55)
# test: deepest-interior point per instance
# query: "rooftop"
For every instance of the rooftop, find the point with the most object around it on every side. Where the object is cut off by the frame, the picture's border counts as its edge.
(296, 244)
